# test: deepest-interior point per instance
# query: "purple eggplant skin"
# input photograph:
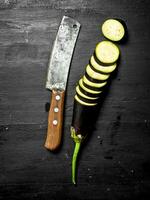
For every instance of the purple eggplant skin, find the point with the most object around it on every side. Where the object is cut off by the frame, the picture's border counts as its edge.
(83, 118)
(82, 124)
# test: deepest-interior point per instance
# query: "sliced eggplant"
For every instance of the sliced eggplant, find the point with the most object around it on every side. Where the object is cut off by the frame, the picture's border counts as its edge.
(88, 93)
(104, 69)
(93, 84)
(79, 92)
(84, 103)
(85, 100)
(95, 70)
(95, 75)
(88, 90)
(92, 79)
(107, 52)
(92, 88)
(113, 30)
(101, 64)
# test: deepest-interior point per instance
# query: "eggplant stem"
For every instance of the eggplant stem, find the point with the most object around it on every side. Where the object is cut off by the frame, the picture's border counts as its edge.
(74, 161)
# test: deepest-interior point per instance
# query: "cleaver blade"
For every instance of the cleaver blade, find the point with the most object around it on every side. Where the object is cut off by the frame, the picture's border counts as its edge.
(57, 75)
(62, 53)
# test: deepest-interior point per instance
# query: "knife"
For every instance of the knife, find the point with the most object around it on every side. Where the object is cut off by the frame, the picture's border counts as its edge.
(57, 78)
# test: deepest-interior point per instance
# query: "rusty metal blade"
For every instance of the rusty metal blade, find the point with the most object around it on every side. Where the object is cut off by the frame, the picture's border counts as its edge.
(62, 53)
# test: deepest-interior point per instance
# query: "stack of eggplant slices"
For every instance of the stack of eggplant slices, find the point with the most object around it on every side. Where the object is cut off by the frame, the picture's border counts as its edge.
(101, 64)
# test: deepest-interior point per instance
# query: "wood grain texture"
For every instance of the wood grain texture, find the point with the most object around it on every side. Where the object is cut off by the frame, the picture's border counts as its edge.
(55, 120)
(115, 161)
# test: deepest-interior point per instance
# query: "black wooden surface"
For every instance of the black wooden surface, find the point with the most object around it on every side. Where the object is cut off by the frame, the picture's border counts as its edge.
(115, 162)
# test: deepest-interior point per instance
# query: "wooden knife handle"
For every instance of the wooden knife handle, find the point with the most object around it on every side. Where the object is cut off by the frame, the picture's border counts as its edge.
(55, 120)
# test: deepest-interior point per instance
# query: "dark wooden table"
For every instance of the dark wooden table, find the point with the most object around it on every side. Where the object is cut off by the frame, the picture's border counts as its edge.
(115, 162)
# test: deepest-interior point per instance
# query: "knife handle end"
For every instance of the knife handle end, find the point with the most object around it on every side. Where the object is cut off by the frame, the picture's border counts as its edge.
(55, 120)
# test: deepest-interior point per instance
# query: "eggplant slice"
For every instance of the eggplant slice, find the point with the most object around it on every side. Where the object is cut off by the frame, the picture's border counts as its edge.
(107, 52)
(113, 30)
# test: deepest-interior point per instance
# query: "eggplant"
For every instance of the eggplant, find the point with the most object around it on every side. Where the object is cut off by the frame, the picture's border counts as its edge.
(83, 101)
(107, 52)
(93, 79)
(96, 75)
(88, 92)
(113, 30)
(78, 91)
(92, 88)
(93, 84)
(102, 63)
(102, 68)
(86, 89)
(82, 123)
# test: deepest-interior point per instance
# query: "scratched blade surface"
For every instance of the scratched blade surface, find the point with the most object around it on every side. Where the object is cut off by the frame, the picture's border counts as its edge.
(62, 53)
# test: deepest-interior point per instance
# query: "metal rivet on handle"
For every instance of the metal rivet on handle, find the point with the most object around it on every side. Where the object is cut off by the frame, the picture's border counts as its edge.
(55, 122)
(56, 109)
(57, 97)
